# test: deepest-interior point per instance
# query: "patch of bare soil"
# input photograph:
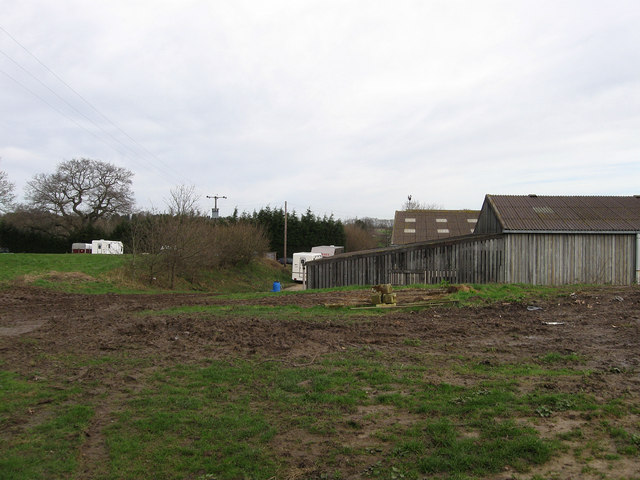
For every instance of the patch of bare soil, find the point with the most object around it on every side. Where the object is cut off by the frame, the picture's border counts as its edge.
(55, 277)
(600, 324)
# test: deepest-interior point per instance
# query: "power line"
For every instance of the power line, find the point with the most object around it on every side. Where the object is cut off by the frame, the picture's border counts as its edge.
(98, 126)
(70, 118)
(53, 107)
(162, 168)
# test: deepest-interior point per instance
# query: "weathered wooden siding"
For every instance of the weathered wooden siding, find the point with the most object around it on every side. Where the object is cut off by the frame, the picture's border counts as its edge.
(531, 258)
(558, 258)
(470, 259)
(488, 222)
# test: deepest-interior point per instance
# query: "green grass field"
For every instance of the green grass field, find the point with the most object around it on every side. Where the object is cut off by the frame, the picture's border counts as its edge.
(218, 420)
(15, 265)
(407, 412)
(99, 274)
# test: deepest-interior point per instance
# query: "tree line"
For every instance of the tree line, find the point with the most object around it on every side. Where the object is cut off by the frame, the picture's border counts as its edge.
(86, 199)
(303, 232)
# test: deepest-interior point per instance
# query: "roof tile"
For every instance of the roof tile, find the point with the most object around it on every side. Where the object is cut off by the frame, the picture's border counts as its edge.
(431, 225)
(568, 213)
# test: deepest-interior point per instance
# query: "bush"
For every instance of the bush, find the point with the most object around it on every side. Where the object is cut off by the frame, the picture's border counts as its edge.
(358, 238)
(183, 246)
(240, 243)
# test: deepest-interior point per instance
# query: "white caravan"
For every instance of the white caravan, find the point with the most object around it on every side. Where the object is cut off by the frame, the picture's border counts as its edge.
(327, 250)
(298, 269)
(80, 248)
(107, 247)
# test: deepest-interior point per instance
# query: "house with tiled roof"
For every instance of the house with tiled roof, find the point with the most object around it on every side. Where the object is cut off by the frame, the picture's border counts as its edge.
(413, 226)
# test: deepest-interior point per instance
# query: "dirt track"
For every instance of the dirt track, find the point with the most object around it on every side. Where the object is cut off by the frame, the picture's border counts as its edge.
(602, 325)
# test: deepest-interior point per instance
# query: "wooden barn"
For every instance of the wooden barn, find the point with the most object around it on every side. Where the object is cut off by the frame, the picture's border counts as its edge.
(543, 240)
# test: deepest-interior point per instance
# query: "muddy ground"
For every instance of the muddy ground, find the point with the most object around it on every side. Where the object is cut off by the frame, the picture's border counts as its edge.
(602, 325)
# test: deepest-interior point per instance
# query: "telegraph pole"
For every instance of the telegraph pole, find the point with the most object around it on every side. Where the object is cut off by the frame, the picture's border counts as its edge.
(285, 233)
(215, 213)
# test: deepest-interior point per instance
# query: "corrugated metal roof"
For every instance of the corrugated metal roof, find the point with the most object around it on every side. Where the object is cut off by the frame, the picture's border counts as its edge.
(411, 226)
(567, 213)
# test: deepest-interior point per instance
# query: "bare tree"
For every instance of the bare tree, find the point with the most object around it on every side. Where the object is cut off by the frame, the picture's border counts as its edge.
(412, 204)
(146, 243)
(183, 201)
(190, 247)
(6, 192)
(81, 191)
(181, 243)
(177, 243)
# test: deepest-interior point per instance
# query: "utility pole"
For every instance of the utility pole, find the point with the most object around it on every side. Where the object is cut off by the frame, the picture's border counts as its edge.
(215, 213)
(285, 233)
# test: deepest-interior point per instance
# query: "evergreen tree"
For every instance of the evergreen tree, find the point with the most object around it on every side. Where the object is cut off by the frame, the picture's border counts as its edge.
(303, 232)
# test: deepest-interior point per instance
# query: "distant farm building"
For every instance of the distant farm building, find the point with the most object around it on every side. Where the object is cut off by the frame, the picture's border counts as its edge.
(544, 240)
(413, 226)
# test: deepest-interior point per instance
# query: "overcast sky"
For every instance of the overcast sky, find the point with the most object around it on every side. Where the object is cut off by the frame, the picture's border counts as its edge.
(343, 106)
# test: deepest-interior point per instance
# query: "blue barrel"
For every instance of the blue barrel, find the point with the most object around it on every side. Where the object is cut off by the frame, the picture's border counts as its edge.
(276, 286)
